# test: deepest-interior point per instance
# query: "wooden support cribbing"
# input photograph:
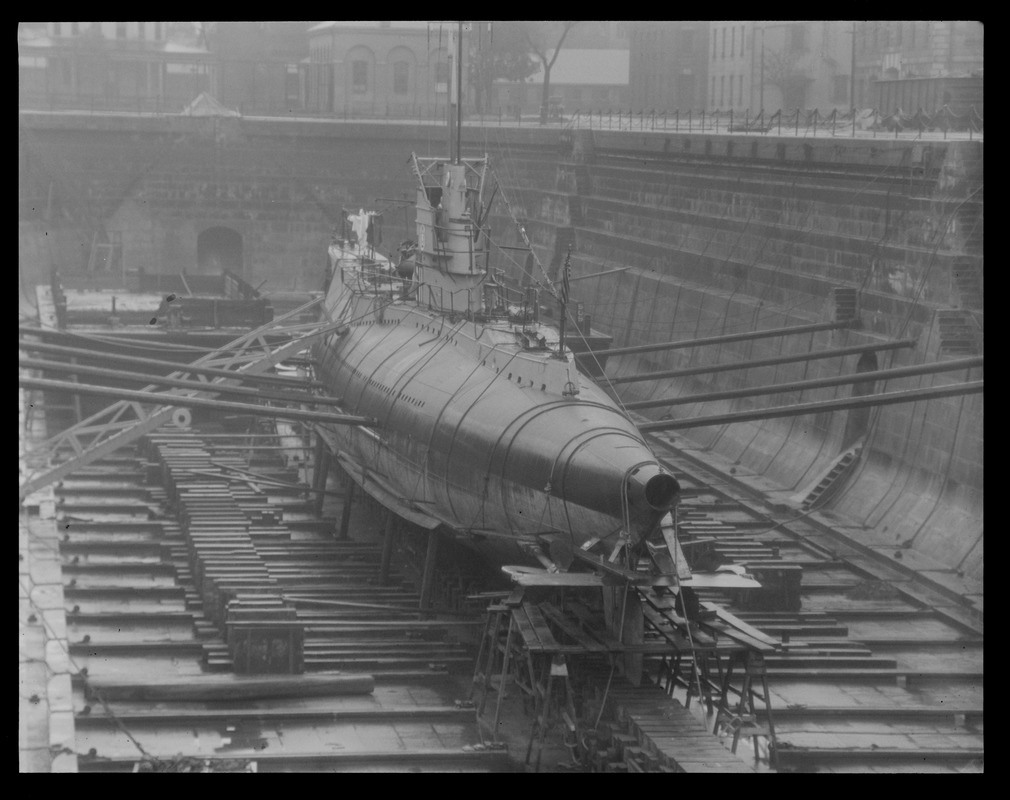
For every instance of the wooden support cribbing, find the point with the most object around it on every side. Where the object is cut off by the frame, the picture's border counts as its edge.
(345, 512)
(387, 547)
(228, 687)
(428, 578)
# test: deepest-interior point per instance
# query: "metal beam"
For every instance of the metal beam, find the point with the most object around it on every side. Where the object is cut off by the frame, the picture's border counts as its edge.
(178, 367)
(157, 380)
(799, 386)
(140, 340)
(185, 401)
(150, 341)
(250, 355)
(595, 274)
(729, 337)
(837, 352)
(867, 401)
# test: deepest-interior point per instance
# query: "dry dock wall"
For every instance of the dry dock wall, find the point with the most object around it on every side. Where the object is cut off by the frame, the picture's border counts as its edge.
(718, 234)
(722, 235)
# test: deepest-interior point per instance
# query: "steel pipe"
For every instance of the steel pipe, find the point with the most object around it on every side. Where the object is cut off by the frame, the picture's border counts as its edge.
(174, 400)
(729, 337)
(204, 386)
(888, 398)
(766, 362)
(799, 386)
(195, 369)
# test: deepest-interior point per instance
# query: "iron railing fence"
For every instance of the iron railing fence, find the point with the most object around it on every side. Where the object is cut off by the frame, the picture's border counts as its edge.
(941, 122)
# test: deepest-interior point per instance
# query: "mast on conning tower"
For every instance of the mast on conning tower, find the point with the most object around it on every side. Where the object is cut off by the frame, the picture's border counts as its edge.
(452, 256)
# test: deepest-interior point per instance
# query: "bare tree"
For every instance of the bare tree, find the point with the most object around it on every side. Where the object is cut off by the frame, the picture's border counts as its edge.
(784, 69)
(538, 35)
(499, 51)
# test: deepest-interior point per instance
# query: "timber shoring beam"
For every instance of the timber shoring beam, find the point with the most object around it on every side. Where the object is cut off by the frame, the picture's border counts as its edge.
(183, 401)
(175, 366)
(818, 383)
(61, 367)
(729, 337)
(765, 362)
(888, 398)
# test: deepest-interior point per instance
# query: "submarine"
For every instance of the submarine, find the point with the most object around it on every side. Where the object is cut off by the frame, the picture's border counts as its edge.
(484, 423)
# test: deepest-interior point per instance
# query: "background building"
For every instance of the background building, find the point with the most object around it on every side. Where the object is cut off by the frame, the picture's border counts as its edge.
(669, 64)
(581, 79)
(378, 68)
(128, 65)
(258, 64)
(919, 64)
(803, 65)
(730, 65)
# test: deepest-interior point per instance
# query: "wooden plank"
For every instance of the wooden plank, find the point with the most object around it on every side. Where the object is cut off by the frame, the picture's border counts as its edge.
(571, 629)
(231, 687)
(547, 640)
(529, 635)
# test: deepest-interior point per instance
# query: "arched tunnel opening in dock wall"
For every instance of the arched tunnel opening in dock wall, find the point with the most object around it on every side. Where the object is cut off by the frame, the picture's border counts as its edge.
(218, 249)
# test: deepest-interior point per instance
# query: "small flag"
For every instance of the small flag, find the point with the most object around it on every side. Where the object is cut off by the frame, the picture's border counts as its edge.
(566, 277)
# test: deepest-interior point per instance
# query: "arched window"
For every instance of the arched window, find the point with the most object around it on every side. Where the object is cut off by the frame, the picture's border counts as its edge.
(401, 77)
(359, 76)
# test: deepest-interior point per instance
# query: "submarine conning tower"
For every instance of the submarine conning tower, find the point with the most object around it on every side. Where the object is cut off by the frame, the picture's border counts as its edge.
(452, 248)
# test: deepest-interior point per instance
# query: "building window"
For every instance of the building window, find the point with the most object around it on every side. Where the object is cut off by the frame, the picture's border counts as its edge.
(732, 42)
(797, 37)
(715, 45)
(739, 91)
(841, 93)
(401, 69)
(157, 31)
(712, 101)
(741, 39)
(75, 28)
(722, 89)
(724, 43)
(359, 77)
(120, 30)
(57, 31)
(441, 76)
(140, 30)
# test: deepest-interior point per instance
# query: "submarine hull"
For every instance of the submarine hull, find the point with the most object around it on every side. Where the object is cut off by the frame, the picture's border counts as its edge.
(479, 432)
